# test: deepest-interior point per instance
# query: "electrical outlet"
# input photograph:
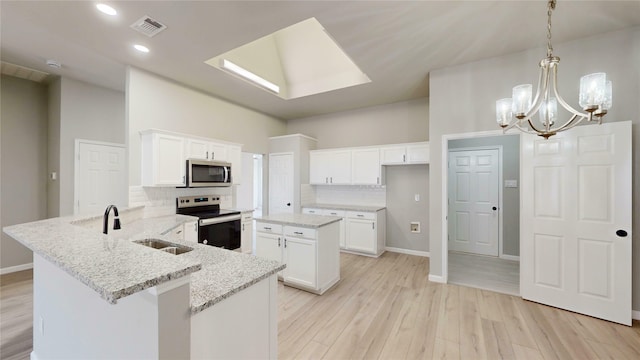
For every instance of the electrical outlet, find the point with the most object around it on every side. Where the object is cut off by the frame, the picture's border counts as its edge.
(416, 197)
(415, 227)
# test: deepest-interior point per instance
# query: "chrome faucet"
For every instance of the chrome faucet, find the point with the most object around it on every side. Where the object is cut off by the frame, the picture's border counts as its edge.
(116, 220)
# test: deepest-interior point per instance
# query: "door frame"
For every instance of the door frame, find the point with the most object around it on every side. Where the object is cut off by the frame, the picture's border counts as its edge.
(76, 166)
(500, 188)
(444, 241)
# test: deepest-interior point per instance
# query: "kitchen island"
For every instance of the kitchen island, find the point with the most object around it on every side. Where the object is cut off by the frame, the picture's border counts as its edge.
(309, 245)
(105, 296)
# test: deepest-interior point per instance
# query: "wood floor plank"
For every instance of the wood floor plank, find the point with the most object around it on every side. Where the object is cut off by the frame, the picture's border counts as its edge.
(526, 353)
(446, 350)
(472, 343)
(449, 315)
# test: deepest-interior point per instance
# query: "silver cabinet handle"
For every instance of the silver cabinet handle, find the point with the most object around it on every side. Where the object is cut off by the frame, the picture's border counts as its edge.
(278, 242)
(404, 158)
(297, 233)
(285, 242)
(334, 213)
(326, 180)
(378, 180)
(183, 179)
(331, 179)
(360, 215)
(195, 226)
(213, 154)
(373, 226)
(242, 227)
(207, 156)
(178, 232)
(267, 228)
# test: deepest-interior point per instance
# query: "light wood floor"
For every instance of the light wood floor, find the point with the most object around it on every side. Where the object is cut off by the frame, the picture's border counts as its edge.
(484, 272)
(386, 308)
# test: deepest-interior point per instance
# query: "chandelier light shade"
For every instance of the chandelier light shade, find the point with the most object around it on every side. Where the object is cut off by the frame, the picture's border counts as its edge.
(595, 98)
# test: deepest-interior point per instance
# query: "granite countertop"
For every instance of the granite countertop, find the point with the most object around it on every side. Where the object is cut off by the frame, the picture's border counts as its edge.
(366, 208)
(115, 267)
(304, 220)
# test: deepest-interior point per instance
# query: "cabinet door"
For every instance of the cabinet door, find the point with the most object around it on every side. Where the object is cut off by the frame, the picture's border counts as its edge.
(365, 167)
(300, 257)
(197, 149)
(393, 155)
(268, 246)
(191, 231)
(318, 168)
(418, 154)
(361, 235)
(343, 224)
(169, 160)
(340, 162)
(218, 152)
(246, 236)
(234, 156)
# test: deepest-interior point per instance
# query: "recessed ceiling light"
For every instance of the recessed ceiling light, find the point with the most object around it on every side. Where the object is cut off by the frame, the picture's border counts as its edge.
(228, 65)
(141, 48)
(107, 9)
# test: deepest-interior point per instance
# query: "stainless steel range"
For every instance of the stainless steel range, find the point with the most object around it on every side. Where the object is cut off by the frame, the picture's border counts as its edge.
(216, 227)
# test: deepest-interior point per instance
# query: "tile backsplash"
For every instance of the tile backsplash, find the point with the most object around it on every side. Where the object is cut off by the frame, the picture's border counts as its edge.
(350, 195)
(159, 201)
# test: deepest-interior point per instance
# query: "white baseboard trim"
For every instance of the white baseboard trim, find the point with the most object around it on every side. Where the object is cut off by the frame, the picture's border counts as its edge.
(635, 314)
(407, 251)
(436, 278)
(510, 257)
(12, 269)
(33, 355)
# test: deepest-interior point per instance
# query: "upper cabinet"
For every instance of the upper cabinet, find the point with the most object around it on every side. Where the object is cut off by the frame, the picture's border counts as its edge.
(403, 154)
(330, 167)
(205, 150)
(164, 156)
(365, 166)
(362, 165)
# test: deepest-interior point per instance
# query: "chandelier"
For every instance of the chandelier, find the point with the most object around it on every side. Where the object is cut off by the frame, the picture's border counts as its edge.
(518, 111)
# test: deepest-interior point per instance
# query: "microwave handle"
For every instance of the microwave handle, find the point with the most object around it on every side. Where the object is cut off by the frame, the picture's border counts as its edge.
(226, 174)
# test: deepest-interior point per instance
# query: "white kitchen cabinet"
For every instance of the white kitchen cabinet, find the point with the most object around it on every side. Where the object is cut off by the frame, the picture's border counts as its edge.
(343, 223)
(246, 232)
(330, 167)
(402, 154)
(163, 161)
(312, 211)
(191, 231)
(365, 166)
(234, 156)
(300, 257)
(206, 150)
(312, 255)
(365, 232)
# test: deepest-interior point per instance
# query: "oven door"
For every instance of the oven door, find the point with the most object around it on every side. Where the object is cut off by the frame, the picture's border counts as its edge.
(222, 231)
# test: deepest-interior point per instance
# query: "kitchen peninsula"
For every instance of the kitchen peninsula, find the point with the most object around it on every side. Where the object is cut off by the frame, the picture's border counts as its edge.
(106, 296)
(309, 245)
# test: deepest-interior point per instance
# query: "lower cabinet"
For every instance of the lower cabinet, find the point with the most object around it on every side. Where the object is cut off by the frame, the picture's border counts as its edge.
(366, 232)
(330, 212)
(246, 233)
(312, 258)
(191, 231)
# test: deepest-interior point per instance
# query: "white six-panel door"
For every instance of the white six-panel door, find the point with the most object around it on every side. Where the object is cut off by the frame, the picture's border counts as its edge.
(576, 209)
(281, 183)
(474, 187)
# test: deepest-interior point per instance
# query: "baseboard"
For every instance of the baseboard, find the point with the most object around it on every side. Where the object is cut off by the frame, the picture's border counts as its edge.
(407, 251)
(33, 355)
(635, 314)
(510, 257)
(12, 269)
(436, 278)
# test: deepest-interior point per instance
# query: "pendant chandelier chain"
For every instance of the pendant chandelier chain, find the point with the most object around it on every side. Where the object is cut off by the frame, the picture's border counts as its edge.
(552, 6)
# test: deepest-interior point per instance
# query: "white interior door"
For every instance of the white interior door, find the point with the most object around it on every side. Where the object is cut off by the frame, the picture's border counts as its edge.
(474, 189)
(101, 177)
(575, 222)
(281, 183)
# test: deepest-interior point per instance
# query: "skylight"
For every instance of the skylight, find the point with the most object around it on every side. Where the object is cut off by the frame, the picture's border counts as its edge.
(297, 61)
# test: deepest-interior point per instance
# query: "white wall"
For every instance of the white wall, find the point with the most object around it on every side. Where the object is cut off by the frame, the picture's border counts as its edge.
(401, 122)
(155, 102)
(462, 99)
(23, 183)
(88, 112)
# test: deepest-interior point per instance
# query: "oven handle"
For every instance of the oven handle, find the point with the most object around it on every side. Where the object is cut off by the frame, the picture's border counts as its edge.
(220, 219)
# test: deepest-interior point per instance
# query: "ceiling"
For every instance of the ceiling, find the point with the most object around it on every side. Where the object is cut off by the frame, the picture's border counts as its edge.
(396, 43)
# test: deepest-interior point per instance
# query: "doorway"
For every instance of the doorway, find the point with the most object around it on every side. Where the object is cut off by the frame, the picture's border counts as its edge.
(100, 176)
(483, 207)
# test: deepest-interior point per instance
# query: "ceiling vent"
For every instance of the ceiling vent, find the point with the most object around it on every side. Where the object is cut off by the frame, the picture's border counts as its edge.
(23, 72)
(148, 26)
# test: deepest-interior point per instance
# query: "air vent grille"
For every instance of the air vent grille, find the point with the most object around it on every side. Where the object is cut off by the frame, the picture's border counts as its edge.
(23, 72)
(148, 26)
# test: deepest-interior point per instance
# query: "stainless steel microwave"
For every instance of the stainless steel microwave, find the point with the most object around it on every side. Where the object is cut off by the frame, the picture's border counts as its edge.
(203, 173)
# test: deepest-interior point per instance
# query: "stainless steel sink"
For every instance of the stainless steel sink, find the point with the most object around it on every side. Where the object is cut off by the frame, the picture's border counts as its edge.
(165, 246)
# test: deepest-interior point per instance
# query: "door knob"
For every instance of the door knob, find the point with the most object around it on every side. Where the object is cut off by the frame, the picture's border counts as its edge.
(494, 208)
(288, 204)
(621, 233)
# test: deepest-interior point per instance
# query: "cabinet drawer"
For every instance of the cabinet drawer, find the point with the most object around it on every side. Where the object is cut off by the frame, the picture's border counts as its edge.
(247, 216)
(312, 211)
(340, 213)
(361, 215)
(300, 232)
(268, 227)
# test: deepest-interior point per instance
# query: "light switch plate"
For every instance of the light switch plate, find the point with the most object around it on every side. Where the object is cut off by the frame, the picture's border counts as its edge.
(511, 183)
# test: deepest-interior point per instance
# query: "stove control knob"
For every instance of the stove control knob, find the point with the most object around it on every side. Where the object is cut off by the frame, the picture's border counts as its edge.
(205, 241)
